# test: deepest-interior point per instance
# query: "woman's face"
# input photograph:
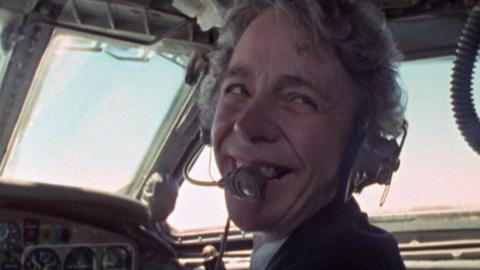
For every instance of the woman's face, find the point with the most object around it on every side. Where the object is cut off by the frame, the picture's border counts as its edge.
(287, 107)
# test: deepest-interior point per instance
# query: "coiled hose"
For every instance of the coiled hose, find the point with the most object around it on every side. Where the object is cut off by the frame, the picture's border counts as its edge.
(461, 91)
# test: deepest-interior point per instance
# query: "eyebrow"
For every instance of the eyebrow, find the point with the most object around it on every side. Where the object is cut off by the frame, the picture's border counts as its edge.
(238, 71)
(286, 81)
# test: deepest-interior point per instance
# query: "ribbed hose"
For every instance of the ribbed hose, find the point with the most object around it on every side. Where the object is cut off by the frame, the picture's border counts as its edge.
(461, 91)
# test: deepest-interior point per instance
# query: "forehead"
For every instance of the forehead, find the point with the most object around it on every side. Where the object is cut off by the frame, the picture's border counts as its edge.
(274, 42)
(274, 45)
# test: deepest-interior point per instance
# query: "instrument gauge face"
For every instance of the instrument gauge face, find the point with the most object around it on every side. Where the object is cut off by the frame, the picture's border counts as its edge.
(42, 259)
(117, 258)
(9, 235)
(80, 258)
(11, 264)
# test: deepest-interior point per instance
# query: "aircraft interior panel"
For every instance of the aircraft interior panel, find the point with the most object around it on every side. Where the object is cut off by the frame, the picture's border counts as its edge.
(30, 240)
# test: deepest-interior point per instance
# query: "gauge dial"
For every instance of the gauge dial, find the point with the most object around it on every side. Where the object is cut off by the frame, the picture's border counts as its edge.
(80, 258)
(42, 259)
(9, 235)
(116, 258)
(11, 264)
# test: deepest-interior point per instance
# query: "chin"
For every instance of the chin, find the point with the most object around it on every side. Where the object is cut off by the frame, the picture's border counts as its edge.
(247, 216)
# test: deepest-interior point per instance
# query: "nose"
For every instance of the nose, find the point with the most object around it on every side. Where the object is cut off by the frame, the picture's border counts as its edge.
(257, 123)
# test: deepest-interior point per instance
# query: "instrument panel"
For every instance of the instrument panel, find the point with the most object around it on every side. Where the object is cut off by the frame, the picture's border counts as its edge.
(31, 241)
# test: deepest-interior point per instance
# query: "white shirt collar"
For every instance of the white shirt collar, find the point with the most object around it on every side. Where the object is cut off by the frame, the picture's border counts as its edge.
(262, 256)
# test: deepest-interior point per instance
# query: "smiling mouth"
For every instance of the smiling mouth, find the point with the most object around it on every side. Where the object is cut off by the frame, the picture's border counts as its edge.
(269, 171)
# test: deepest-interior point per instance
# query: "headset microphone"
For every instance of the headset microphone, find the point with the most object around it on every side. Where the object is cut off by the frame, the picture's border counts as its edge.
(246, 183)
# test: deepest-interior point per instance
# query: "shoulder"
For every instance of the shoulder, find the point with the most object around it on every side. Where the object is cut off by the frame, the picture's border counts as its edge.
(339, 239)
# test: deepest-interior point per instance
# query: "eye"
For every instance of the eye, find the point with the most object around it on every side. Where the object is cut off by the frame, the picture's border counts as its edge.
(236, 89)
(303, 100)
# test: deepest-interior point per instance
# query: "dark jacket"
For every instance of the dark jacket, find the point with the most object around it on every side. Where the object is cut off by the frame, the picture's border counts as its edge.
(338, 237)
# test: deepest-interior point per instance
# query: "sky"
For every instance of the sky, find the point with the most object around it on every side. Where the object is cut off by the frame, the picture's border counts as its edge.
(95, 118)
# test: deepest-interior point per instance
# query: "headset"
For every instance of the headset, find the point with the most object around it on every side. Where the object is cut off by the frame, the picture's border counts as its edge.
(371, 158)
(246, 183)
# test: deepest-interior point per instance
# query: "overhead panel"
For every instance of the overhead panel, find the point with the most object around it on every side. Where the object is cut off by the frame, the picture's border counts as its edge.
(125, 19)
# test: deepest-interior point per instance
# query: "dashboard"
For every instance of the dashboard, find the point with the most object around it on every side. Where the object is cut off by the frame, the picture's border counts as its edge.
(48, 227)
(32, 241)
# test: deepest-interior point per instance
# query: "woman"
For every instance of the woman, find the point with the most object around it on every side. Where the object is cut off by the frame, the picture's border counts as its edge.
(290, 84)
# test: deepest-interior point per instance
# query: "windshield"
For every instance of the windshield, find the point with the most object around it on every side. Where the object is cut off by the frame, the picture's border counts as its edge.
(438, 169)
(92, 114)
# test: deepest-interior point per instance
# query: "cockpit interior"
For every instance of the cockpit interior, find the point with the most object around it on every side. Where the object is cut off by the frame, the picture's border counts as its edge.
(102, 158)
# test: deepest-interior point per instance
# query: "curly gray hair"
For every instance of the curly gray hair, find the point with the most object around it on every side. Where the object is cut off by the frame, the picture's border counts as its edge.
(357, 31)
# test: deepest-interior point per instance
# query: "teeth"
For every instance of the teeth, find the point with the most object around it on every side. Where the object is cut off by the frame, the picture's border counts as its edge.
(268, 171)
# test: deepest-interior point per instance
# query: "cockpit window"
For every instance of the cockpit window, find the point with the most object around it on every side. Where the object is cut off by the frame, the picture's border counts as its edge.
(92, 113)
(438, 172)
(194, 203)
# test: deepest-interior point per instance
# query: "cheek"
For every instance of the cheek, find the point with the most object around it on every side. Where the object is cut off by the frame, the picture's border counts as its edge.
(223, 121)
(221, 126)
(319, 143)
